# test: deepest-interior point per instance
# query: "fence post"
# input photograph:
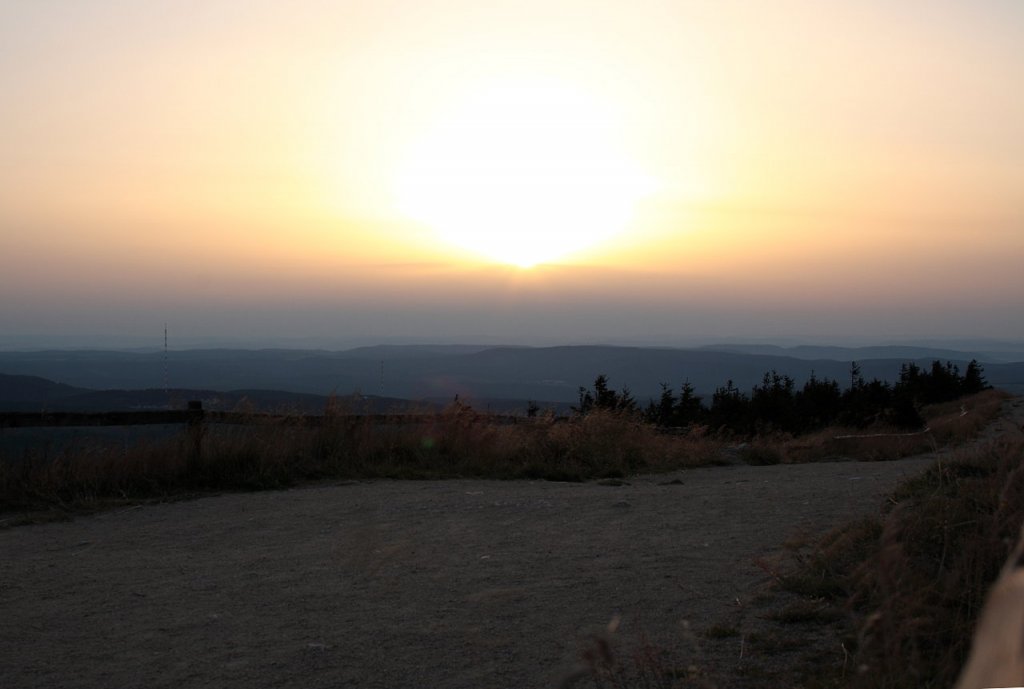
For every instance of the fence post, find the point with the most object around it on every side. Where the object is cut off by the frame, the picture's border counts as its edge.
(196, 430)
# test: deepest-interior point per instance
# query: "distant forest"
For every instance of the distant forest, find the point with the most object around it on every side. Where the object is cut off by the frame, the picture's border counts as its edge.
(776, 405)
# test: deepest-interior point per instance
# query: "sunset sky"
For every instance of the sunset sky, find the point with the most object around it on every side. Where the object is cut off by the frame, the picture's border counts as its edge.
(530, 172)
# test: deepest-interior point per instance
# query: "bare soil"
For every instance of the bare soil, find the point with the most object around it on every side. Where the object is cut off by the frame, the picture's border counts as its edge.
(445, 584)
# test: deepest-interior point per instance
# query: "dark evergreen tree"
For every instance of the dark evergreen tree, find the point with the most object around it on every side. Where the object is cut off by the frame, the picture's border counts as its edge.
(856, 379)
(625, 402)
(941, 384)
(772, 404)
(903, 413)
(818, 403)
(586, 401)
(865, 403)
(910, 378)
(605, 398)
(730, 409)
(776, 404)
(974, 379)
(689, 409)
(663, 413)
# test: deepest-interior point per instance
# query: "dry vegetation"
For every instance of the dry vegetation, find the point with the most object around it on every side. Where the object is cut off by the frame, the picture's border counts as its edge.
(907, 587)
(948, 424)
(457, 442)
(886, 602)
(607, 663)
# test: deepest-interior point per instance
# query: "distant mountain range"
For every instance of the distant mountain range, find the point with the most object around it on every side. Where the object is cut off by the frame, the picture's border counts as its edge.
(874, 352)
(387, 377)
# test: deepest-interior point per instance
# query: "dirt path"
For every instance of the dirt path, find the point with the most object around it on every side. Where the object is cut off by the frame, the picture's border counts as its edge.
(400, 584)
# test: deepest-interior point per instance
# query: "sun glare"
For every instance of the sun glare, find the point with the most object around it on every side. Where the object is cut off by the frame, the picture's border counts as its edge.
(522, 175)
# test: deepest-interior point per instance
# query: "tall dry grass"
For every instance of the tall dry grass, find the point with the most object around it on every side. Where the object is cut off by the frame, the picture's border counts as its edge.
(457, 442)
(912, 581)
(921, 590)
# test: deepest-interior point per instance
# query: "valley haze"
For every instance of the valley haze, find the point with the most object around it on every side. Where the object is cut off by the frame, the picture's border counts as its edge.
(496, 378)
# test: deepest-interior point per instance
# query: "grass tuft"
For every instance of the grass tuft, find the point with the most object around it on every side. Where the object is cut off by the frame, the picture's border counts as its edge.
(719, 631)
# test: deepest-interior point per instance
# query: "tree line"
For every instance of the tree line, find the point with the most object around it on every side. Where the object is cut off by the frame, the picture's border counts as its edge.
(777, 404)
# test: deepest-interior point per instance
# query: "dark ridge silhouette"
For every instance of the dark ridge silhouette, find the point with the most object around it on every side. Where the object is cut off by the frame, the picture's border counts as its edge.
(543, 374)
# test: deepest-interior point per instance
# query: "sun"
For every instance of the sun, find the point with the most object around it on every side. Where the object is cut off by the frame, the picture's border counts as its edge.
(522, 174)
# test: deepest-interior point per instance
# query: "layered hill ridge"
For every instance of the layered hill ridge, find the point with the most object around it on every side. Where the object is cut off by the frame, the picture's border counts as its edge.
(392, 375)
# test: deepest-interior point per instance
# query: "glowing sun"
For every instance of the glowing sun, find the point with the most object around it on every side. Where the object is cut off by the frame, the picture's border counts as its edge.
(522, 174)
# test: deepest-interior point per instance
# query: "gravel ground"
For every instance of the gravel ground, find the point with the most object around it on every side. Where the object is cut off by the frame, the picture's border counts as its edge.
(402, 584)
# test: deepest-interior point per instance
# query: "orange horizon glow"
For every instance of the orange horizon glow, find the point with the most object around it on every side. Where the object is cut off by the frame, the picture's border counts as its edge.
(793, 155)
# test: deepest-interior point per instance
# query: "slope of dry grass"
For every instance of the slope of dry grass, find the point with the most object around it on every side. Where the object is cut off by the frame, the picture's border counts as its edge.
(911, 583)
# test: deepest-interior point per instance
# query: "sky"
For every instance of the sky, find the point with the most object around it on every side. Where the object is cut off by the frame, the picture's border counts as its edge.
(528, 172)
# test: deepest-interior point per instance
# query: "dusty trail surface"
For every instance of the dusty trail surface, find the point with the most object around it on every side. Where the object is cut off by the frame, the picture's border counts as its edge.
(444, 584)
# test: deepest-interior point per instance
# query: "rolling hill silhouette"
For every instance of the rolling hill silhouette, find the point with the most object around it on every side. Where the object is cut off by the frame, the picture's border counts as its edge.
(504, 376)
